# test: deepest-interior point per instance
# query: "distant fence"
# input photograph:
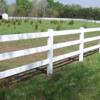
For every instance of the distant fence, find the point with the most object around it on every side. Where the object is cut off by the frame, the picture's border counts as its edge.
(47, 48)
(58, 19)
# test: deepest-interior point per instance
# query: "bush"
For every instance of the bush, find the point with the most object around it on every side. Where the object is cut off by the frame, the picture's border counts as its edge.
(71, 22)
(14, 22)
(36, 26)
(8, 25)
(31, 22)
(39, 21)
(53, 22)
(85, 26)
(58, 26)
(25, 21)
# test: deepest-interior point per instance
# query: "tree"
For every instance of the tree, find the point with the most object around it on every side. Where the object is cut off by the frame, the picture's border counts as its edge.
(50, 8)
(39, 7)
(23, 7)
(54, 8)
(12, 10)
(3, 6)
(50, 3)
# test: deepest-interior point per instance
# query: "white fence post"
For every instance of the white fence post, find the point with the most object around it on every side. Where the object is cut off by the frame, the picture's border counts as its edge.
(81, 56)
(50, 52)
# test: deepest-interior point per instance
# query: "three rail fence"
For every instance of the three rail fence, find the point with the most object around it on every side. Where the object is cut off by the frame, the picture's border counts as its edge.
(49, 48)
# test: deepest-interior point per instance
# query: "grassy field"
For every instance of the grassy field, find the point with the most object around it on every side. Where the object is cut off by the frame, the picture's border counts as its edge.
(77, 81)
(27, 26)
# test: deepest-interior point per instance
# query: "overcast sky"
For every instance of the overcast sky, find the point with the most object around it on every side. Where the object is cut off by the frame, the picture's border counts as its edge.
(84, 3)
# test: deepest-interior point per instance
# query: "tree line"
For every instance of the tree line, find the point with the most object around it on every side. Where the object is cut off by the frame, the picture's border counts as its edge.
(48, 8)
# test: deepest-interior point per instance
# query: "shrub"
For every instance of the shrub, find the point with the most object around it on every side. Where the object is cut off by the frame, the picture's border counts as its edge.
(39, 21)
(36, 26)
(31, 22)
(58, 26)
(53, 22)
(14, 22)
(19, 22)
(8, 25)
(71, 22)
(42, 30)
(25, 21)
(85, 26)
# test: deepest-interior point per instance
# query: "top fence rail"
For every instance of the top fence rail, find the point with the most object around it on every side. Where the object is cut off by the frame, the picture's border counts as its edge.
(58, 19)
(5, 38)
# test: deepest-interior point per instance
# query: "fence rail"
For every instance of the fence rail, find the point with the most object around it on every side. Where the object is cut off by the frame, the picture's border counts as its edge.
(58, 19)
(50, 47)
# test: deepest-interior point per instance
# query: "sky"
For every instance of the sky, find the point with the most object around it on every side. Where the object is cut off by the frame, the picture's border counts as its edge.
(83, 3)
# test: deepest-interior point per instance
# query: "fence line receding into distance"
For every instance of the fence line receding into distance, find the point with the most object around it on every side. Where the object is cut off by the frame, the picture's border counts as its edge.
(57, 19)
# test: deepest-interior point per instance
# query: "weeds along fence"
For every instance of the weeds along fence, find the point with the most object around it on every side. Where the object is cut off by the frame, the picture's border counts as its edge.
(50, 47)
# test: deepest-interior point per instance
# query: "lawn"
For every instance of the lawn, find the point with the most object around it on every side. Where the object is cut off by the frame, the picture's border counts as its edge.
(77, 81)
(27, 26)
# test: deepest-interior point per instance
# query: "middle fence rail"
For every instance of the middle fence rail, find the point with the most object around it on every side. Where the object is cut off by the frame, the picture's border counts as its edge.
(50, 47)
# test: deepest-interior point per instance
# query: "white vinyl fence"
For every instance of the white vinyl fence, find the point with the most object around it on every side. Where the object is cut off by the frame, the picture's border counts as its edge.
(47, 48)
(57, 19)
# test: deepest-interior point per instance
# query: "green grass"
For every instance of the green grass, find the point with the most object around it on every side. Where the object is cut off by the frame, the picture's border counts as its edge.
(26, 26)
(77, 81)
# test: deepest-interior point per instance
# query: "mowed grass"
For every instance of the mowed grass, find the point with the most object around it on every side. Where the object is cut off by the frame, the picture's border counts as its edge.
(28, 26)
(77, 81)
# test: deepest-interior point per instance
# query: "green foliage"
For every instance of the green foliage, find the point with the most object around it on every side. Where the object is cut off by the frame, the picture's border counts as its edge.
(25, 20)
(39, 21)
(71, 22)
(19, 22)
(58, 27)
(36, 26)
(85, 26)
(31, 22)
(53, 22)
(49, 8)
(43, 30)
(3, 6)
(23, 7)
